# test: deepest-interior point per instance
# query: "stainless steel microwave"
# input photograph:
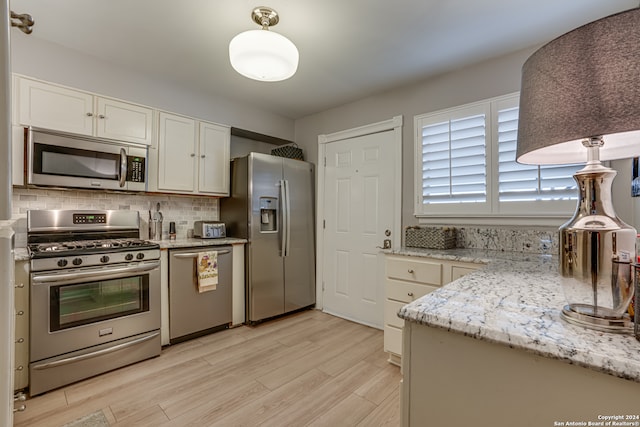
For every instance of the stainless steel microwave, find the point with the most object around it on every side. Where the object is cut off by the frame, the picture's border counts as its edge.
(68, 160)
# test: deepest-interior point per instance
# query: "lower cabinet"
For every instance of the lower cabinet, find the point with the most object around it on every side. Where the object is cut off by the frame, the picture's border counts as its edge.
(408, 278)
(21, 296)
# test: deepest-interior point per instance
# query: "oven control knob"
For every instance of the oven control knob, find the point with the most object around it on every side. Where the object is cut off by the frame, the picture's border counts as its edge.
(104, 259)
(62, 263)
(128, 257)
(77, 261)
(140, 256)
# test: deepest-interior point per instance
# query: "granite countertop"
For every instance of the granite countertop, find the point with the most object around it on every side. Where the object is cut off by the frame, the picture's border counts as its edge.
(21, 254)
(516, 300)
(192, 242)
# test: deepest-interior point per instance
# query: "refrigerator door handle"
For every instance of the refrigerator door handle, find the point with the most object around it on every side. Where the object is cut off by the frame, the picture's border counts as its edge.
(283, 226)
(287, 223)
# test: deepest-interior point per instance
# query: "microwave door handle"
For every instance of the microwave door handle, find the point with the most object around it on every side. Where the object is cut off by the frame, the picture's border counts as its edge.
(123, 167)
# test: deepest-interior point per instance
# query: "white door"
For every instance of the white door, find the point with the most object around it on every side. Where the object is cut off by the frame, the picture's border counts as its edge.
(359, 211)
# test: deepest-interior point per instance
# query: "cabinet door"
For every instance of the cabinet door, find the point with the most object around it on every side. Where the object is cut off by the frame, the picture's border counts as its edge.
(214, 159)
(54, 107)
(177, 148)
(124, 121)
(21, 296)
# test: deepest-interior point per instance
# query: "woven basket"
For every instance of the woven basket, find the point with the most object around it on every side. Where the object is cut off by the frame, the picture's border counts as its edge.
(430, 237)
(289, 151)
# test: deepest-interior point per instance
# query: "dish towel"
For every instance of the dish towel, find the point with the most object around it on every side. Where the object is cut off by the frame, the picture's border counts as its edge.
(207, 271)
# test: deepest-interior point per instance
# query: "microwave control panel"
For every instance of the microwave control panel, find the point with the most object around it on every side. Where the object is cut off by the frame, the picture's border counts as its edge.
(135, 169)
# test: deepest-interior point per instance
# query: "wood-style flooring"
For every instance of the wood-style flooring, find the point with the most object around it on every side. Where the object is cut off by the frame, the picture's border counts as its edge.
(305, 369)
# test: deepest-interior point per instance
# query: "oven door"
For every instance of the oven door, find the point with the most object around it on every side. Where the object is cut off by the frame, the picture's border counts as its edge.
(73, 310)
(66, 160)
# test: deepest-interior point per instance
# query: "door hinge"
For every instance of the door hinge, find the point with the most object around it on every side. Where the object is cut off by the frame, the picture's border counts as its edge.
(324, 223)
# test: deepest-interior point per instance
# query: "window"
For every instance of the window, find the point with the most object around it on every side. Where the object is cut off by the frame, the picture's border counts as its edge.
(466, 167)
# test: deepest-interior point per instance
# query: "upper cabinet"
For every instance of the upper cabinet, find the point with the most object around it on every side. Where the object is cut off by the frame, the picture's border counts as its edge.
(59, 108)
(193, 156)
(214, 142)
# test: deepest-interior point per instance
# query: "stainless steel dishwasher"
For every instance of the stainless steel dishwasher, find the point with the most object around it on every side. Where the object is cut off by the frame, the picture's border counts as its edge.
(192, 313)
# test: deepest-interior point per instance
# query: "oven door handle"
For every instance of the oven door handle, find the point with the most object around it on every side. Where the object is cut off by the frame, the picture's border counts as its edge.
(195, 254)
(111, 273)
(93, 354)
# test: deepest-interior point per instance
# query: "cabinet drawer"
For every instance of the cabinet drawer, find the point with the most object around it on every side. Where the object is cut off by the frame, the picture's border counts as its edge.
(407, 292)
(391, 309)
(459, 271)
(393, 340)
(415, 271)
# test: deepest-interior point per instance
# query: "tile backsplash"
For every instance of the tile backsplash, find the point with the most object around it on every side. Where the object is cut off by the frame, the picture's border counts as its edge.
(183, 210)
(517, 239)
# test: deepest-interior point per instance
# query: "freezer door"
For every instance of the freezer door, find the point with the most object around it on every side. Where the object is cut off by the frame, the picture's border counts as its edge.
(299, 264)
(265, 273)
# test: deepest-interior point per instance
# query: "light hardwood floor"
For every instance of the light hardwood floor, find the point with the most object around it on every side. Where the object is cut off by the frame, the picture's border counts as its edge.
(306, 369)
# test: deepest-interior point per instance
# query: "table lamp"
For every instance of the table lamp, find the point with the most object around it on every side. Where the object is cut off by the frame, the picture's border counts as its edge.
(580, 102)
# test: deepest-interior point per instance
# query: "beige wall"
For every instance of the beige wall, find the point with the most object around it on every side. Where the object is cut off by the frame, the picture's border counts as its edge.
(54, 63)
(488, 79)
(485, 80)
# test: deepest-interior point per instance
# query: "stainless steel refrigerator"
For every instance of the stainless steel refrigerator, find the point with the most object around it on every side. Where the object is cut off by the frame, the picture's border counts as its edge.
(272, 205)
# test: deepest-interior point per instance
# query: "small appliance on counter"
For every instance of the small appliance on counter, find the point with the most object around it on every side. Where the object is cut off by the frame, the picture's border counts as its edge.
(209, 229)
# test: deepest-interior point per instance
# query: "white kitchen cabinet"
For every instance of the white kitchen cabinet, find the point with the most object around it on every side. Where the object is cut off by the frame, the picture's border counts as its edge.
(193, 157)
(407, 279)
(21, 297)
(214, 143)
(177, 150)
(60, 108)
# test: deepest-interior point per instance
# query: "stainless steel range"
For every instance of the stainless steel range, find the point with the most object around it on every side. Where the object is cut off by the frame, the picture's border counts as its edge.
(95, 295)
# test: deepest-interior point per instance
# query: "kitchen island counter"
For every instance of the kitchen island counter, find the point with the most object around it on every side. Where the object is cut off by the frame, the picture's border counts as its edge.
(501, 325)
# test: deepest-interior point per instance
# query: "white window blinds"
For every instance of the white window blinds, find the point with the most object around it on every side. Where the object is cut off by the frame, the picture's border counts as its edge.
(454, 161)
(519, 183)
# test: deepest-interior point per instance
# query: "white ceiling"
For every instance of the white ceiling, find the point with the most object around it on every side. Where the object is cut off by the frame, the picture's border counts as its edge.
(349, 49)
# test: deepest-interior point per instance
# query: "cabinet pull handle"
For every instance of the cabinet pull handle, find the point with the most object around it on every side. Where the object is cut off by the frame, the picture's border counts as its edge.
(410, 294)
(20, 313)
(89, 114)
(410, 271)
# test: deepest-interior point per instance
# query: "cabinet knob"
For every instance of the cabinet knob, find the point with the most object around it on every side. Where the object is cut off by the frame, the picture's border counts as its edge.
(410, 294)
(101, 116)
(202, 156)
(410, 271)
(20, 408)
(193, 154)
(89, 114)
(19, 368)
(20, 313)
(20, 340)
(20, 285)
(20, 397)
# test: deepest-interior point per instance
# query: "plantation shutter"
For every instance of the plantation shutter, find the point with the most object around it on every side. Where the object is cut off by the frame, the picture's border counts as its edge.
(454, 161)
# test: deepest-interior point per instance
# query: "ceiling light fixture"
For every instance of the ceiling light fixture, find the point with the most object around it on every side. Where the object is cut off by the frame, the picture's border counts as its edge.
(580, 102)
(262, 54)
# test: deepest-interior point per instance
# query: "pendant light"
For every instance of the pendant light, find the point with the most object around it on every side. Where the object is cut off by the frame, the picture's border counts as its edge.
(262, 54)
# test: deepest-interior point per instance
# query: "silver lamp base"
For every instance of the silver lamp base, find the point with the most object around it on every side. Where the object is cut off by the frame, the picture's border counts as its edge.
(619, 325)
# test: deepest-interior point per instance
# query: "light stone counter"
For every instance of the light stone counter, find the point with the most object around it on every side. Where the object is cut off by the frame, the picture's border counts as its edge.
(191, 243)
(516, 301)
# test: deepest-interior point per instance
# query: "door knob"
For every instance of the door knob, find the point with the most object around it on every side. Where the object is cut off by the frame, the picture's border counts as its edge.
(386, 244)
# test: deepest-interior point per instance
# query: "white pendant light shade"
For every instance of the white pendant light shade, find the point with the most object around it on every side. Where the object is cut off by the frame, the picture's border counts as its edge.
(263, 55)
